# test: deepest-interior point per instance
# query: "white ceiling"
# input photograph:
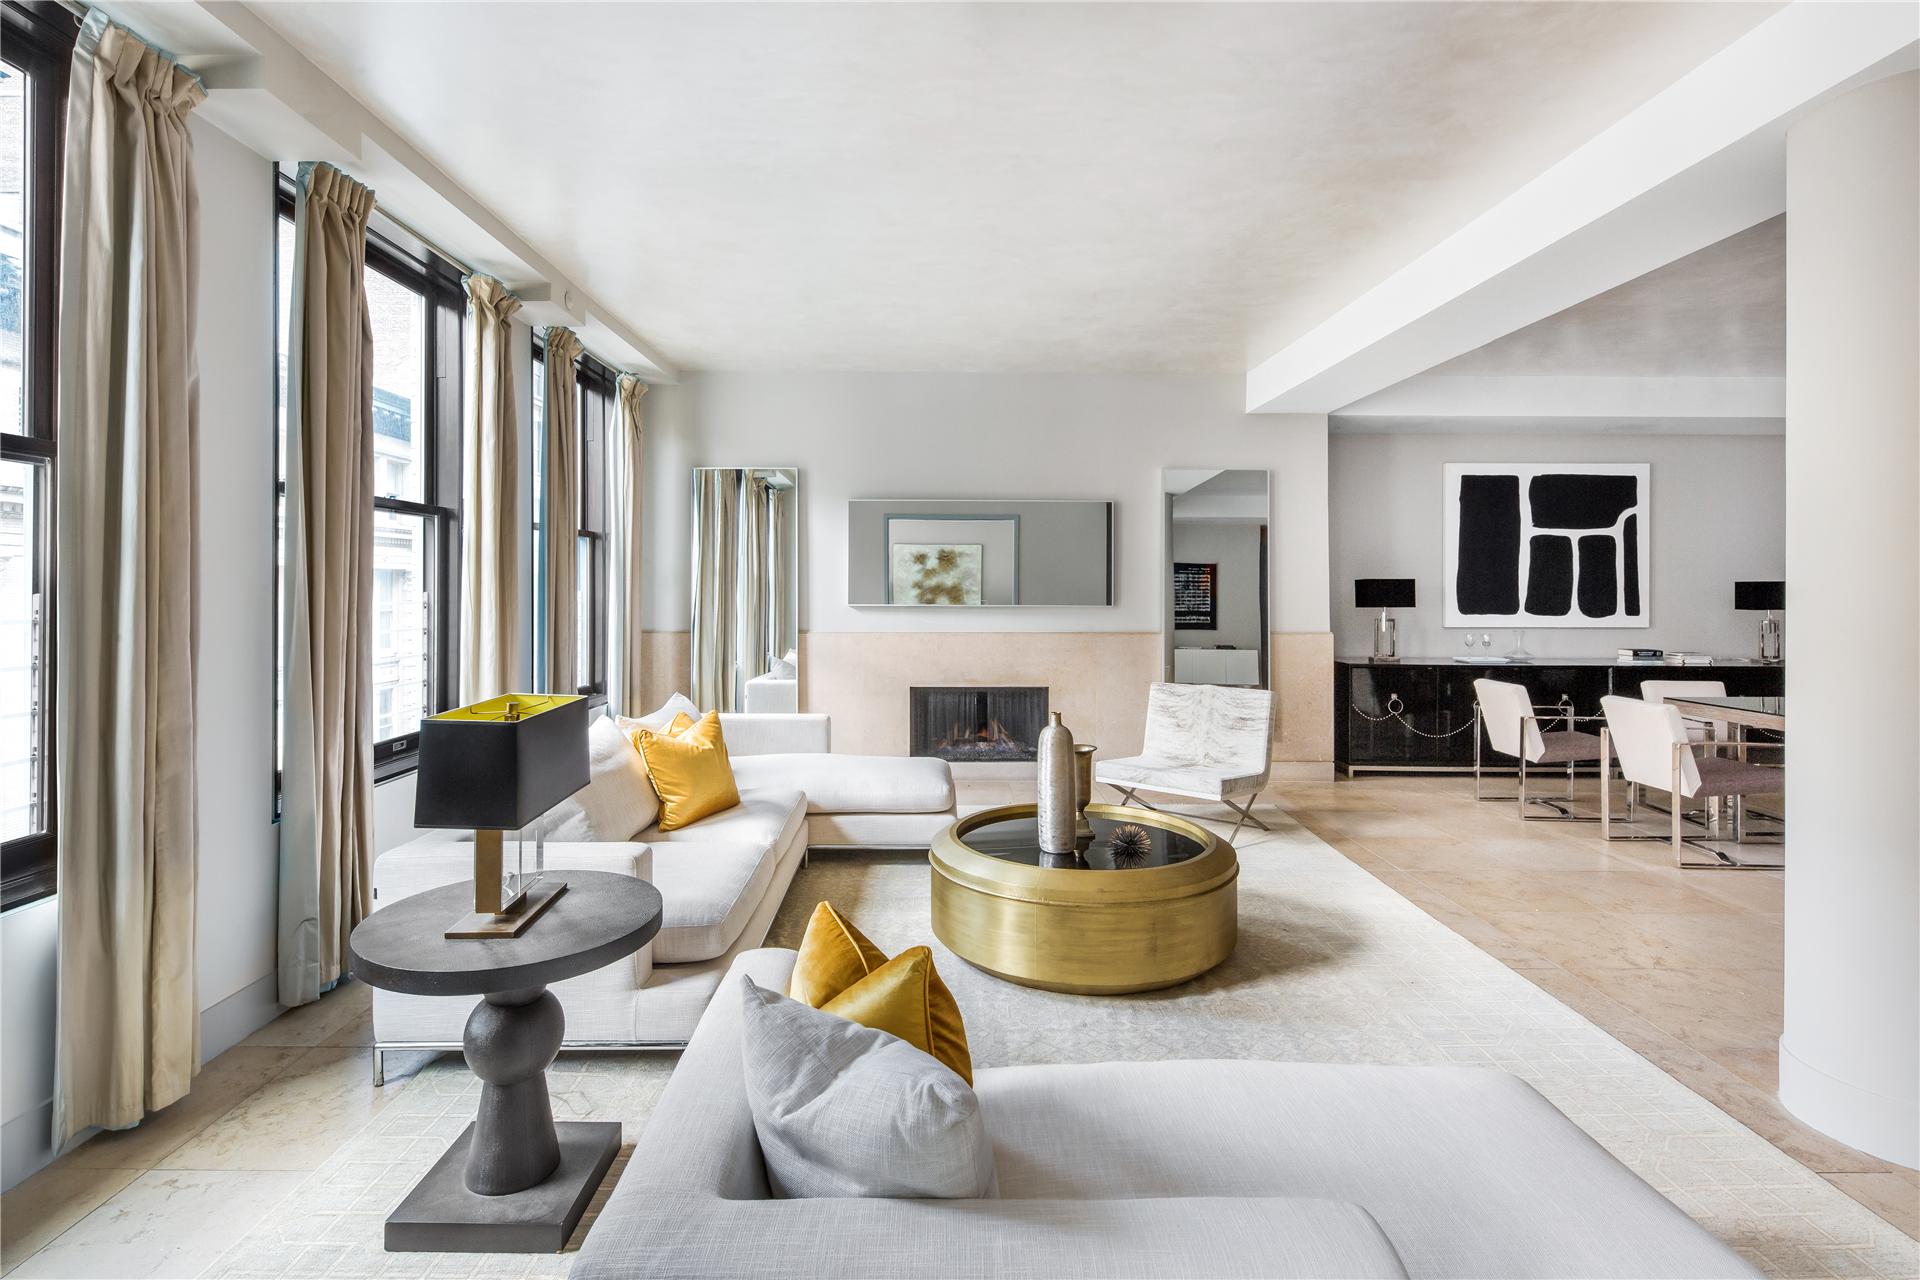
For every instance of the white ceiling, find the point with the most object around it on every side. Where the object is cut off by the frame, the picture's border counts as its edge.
(1718, 313)
(995, 186)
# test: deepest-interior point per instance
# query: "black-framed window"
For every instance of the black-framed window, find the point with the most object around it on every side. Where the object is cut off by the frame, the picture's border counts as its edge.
(34, 58)
(594, 422)
(597, 401)
(416, 307)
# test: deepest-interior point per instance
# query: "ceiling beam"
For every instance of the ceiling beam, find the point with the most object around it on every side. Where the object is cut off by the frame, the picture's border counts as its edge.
(1448, 396)
(1698, 162)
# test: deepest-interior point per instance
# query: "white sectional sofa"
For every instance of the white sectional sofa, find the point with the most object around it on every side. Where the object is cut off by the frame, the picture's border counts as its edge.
(720, 879)
(1160, 1169)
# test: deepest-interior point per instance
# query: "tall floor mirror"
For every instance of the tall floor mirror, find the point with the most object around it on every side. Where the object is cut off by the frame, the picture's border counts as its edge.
(746, 588)
(1215, 577)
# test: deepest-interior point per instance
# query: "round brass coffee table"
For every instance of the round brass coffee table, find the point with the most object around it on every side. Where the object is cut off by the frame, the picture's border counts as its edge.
(1085, 922)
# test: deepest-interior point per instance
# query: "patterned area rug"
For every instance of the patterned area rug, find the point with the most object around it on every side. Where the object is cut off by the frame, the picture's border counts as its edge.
(1332, 966)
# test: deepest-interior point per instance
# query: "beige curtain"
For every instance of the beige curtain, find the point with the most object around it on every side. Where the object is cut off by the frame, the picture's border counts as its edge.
(326, 817)
(128, 1026)
(626, 479)
(716, 521)
(562, 516)
(751, 614)
(783, 623)
(490, 512)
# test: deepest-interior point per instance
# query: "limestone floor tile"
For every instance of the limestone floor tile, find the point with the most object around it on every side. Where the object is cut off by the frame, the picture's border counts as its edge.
(163, 1223)
(1363, 823)
(1460, 854)
(1584, 940)
(1621, 889)
(315, 1022)
(1894, 1196)
(221, 1085)
(49, 1202)
(294, 1121)
(1708, 1009)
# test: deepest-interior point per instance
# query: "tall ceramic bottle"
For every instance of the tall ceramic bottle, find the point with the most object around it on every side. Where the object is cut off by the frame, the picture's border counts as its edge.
(1056, 807)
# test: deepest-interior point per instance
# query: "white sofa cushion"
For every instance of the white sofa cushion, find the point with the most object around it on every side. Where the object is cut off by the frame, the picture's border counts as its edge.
(1210, 781)
(765, 815)
(854, 784)
(657, 721)
(617, 802)
(845, 1110)
(708, 889)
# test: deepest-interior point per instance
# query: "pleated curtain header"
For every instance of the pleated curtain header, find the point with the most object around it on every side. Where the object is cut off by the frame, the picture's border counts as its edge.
(137, 69)
(486, 294)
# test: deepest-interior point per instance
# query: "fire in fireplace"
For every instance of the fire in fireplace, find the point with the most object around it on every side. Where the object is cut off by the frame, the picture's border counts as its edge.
(977, 725)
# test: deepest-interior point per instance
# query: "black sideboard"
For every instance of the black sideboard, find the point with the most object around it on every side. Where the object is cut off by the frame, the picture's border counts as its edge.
(1417, 713)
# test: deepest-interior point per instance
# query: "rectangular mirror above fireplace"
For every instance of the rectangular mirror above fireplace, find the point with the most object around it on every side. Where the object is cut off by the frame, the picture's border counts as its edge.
(979, 552)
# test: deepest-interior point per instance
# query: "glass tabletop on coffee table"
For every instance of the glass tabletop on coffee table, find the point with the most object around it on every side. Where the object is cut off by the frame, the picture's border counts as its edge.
(1141, 842)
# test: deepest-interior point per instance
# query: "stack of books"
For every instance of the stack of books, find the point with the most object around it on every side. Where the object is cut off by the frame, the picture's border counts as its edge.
(1676, 658)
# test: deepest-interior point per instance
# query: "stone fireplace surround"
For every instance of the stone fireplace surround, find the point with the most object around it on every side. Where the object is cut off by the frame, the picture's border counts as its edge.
(1097, 680)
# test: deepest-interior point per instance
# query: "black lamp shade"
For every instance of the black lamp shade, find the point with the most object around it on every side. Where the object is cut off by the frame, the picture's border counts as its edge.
(480, 770)
(1383, 593)
(1759, 595)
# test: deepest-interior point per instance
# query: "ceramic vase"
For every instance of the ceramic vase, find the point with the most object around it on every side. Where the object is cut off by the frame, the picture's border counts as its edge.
(1055, 809)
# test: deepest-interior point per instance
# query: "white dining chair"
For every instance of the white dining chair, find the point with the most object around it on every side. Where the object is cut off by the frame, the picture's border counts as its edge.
(1651, 743)
(1511, 726)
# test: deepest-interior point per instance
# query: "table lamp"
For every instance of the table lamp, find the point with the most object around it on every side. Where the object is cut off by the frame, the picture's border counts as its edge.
(1768, 596)
(495, 767)
(1383, 594)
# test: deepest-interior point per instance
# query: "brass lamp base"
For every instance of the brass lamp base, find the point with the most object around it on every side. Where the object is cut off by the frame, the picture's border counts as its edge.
(513, 921)
(492, 918)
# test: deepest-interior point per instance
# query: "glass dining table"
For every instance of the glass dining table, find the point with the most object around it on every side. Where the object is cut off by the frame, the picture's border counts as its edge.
(1739, 713)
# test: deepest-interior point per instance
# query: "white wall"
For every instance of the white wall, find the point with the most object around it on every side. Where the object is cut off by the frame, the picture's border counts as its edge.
(1850, 1053)
(1100, 436)
(237, 860)
(1718, 515)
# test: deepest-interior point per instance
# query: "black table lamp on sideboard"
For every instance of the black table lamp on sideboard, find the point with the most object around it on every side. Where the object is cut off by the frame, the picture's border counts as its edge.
(494, 767)
(1768, 596)
(1383, 594)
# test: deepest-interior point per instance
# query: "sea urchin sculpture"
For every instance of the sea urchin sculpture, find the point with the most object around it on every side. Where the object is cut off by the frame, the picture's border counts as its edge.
(1129, 845)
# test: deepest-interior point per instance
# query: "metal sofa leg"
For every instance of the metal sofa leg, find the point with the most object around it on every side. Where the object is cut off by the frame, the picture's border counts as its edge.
(379, 1067)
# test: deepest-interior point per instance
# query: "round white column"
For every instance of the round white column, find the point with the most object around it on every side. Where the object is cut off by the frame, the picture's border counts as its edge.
(1850, 1055)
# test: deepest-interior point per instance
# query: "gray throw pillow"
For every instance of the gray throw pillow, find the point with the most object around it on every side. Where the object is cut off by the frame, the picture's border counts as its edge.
(844, 1110)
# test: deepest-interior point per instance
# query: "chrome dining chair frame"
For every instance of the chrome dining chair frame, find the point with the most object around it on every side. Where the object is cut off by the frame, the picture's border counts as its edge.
(1562, 713)
(1678, 816)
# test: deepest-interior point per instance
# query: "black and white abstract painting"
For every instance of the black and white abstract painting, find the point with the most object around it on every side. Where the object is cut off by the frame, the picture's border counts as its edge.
(1547, 544)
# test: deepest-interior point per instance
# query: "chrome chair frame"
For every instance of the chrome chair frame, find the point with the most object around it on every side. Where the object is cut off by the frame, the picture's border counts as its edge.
(1561, 712)
(1678, 815)
(1129, 796)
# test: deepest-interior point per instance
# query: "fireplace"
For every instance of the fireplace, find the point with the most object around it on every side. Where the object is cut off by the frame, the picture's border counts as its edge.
(977, 725)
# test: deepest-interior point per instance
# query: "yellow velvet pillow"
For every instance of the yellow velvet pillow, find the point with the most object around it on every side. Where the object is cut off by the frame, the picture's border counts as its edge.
(833, 956)
(690, 770)
(905, 997)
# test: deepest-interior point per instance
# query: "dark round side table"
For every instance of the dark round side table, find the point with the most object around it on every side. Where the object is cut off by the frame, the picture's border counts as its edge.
(514, 1181)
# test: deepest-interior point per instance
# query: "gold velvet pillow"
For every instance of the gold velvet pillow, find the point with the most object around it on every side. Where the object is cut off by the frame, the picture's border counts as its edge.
(690, 770)
(905, 997)
(833, 956)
